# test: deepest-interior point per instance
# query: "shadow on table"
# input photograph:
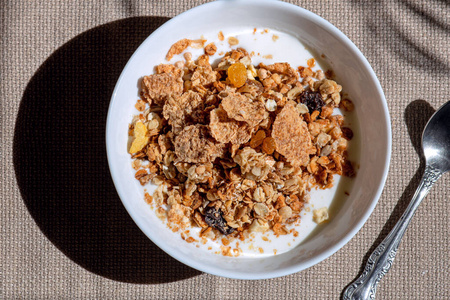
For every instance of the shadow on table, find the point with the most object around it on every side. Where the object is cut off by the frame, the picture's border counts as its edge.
(416, 116)
(392, 33)
(60, 157)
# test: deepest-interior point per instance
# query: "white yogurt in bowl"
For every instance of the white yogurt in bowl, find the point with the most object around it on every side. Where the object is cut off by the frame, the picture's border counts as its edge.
(284, 33)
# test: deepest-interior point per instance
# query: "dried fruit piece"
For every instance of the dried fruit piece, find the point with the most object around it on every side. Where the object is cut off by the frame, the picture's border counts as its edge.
(214, 218)
(269, 145)
(140, 138)
(313, 100)
(347, 133)
(311, 62)
(211, 49)
(257, 139)
(237, 74)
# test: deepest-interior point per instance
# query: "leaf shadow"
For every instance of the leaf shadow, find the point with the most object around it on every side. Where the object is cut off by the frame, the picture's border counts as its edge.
(388, 30)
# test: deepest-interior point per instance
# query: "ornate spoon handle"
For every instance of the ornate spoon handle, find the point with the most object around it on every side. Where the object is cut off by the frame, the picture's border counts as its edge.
(380, 261)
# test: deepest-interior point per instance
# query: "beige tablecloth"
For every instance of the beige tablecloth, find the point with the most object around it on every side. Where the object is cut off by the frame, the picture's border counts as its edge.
(64, 231)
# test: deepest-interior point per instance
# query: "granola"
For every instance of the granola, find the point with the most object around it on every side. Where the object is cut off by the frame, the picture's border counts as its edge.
(158, 87)
(236, 148)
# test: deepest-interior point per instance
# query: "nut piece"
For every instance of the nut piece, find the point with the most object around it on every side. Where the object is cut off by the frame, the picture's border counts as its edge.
(269, 145)
(322, 139)
(257, 139)
(320, 215)
(259, 226)
(285, 212)
(271, 105)
(347, 104)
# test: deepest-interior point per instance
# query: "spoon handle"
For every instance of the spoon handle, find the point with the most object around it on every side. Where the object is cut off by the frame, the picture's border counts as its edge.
(380, 261)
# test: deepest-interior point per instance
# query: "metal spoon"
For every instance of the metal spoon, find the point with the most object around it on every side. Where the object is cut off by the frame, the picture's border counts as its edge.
(436, 148)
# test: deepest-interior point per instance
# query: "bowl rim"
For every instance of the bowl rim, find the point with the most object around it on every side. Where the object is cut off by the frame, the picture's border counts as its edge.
(346, 238)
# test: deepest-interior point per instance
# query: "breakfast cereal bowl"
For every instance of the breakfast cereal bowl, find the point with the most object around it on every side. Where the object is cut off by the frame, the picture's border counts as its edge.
(271, 31)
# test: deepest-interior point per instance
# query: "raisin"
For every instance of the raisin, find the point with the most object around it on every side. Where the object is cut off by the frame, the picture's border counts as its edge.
(347, 133)
(313, 100)
(237, 74)
(214, 218)
(348, 169)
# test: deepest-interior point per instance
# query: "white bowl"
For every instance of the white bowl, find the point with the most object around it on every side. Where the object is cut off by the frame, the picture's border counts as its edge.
(294, 24)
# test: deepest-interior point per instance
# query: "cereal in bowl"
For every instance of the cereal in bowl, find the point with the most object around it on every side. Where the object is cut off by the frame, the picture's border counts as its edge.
(235, 148)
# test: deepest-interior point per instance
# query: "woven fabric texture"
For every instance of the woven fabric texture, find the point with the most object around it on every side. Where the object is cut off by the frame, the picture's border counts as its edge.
(64, 233)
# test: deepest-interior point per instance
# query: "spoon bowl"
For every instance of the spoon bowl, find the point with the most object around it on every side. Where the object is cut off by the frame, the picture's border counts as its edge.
(436, 139)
